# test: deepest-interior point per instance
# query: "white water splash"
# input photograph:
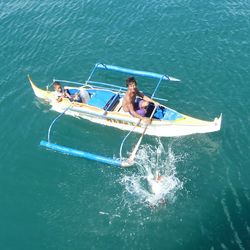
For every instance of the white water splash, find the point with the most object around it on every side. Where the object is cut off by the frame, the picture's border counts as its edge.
(144, 185)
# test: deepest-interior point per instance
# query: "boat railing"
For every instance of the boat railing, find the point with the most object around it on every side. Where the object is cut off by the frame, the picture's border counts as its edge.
(65, 81)
(94, 84)
(109, 86)
(160, 77)
(114, 87)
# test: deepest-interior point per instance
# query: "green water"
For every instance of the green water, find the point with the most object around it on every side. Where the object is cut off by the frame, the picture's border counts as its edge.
(53, 201)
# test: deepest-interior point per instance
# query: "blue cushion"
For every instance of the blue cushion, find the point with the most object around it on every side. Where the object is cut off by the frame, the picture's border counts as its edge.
(166, 114)
(99, 98)
(171, 115)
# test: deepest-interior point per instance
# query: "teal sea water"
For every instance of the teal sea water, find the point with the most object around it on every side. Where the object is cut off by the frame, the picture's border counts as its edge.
(53, 201)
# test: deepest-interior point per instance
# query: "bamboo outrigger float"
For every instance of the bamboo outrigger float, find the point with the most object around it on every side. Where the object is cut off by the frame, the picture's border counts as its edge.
(104, 106)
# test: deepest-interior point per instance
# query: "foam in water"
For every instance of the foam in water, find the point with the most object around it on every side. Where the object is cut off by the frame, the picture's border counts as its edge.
(155, 182)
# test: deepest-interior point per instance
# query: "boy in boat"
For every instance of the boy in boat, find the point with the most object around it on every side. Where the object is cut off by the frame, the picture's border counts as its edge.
(137, 107)
(61, 93)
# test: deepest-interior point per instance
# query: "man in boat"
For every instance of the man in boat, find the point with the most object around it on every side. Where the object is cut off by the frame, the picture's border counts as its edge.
(137, 107)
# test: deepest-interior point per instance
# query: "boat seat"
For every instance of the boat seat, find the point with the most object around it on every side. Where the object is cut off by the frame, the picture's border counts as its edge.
(112, 103)
(103, 99)
(118, 107)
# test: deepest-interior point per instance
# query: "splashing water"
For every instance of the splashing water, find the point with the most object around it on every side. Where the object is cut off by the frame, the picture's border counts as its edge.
(155, 182)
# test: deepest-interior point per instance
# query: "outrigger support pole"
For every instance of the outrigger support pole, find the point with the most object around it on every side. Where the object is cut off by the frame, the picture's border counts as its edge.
(82, 154)
(93, 70)
(79, 153)
(157, 86)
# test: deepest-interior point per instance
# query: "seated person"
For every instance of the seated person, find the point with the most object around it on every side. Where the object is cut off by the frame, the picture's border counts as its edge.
(136, 107)
(60, 93)
(78, 96)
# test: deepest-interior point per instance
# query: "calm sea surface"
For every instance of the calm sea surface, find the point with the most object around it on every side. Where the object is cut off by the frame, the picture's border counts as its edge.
(53, 201)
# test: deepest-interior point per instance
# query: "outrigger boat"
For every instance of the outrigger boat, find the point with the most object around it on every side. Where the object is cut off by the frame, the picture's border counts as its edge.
(103, 105)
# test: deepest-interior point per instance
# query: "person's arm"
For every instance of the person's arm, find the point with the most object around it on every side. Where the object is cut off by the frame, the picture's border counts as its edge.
(67, 94)
(147, 99)
(57, 97)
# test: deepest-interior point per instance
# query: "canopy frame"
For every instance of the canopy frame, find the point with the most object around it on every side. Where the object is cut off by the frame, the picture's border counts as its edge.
(148, 74)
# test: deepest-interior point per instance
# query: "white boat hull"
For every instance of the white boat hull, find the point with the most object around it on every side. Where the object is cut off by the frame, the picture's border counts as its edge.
(121, 120)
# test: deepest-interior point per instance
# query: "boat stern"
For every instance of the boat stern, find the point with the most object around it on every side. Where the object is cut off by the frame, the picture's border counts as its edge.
(217, 122)
(40, 93)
